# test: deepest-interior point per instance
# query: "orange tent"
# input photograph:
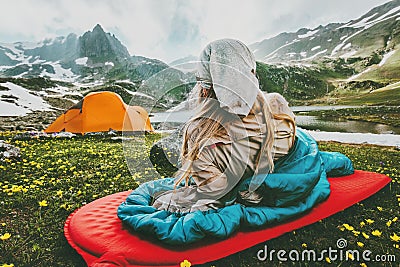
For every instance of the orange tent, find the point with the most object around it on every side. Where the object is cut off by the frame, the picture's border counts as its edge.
(100, 112)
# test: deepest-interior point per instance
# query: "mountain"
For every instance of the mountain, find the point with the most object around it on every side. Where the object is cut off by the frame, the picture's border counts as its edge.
(375, 32)
(99, 46)
(339, 60)
(94, 56)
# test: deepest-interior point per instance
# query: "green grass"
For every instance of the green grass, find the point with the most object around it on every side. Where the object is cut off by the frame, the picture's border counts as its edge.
(389, 97)
(386, 96)
(55, 176)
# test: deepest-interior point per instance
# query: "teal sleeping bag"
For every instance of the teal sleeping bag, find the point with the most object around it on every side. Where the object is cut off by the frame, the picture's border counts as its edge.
(298, 183)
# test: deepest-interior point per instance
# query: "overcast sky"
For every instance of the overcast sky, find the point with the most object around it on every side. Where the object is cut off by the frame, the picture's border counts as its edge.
(171, 29)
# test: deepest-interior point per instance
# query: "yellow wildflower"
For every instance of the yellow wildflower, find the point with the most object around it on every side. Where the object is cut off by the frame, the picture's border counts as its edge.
(328, 260)
(7, 265)
(360, 244)
(365, 235)
(43, 203)
(376, 233)
(185, 263)
(389, 223)
(350, 256)
(362, 224)
(379, 208)
(395, 237)
(395, 219)
(356, 233)
(5, 236)
(363, 264)
(369, 221)
(348, 227)
(304, 245)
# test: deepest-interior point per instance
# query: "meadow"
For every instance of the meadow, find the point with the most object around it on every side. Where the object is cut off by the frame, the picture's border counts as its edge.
(55, 176)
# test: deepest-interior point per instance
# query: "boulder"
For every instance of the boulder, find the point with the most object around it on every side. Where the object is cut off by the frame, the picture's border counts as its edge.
(8, 151)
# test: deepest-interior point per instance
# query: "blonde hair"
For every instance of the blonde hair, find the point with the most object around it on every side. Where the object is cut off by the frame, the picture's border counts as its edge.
(207, 128)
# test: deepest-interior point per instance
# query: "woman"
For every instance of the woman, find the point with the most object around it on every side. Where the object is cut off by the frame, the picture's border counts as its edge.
(232, 136)
(243, 164)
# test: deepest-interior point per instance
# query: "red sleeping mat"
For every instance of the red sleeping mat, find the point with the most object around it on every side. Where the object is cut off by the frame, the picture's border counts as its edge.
(97, 234)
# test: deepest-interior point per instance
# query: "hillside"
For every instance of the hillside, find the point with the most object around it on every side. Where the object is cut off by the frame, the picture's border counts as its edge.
(376, 31)
(338, 59)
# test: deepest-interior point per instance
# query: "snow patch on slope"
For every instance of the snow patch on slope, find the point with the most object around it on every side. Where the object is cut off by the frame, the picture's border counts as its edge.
(81, 61)
(19, 101)
(315, 47)
(308, 34)
(316, 54)
(386, 57)
(139, 94)
(60, 73)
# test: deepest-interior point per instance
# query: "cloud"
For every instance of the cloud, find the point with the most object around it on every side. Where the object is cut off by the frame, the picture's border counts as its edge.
(175, 28)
